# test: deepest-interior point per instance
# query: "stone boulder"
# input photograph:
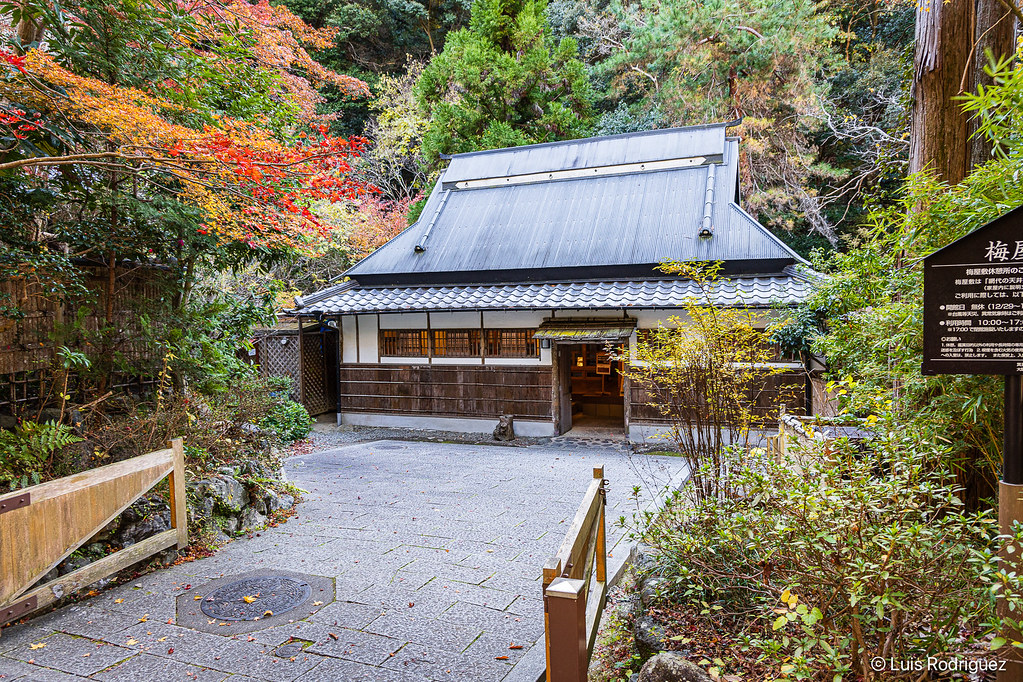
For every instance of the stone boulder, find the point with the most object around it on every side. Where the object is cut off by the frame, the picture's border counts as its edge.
(145, 518)
(137, 531)
(649, 634)
(505, 429)
(671, 667)
(275, 501)
(650, 591)
(227, 492)
(251, 519)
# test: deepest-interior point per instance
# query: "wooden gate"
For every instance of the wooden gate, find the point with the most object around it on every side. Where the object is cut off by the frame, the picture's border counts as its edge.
(42, 525)
(307, 353)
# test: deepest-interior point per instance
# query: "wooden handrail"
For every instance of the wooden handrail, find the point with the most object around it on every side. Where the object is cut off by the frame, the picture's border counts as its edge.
(575, 588)
(49, 521)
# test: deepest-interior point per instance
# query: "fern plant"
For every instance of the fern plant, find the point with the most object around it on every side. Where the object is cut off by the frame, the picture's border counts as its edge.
(28, 450)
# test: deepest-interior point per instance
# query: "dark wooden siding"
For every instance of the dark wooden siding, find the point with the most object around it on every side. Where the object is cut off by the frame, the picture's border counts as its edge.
(791, 386)
(480, 391)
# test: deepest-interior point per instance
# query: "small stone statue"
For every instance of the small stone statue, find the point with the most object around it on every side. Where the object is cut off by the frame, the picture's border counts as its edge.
(505, 429)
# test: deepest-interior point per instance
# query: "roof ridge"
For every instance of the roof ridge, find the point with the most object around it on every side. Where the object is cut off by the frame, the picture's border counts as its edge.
(597, 138)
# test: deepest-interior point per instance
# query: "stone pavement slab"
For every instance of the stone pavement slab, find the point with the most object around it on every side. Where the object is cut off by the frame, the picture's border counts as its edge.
(435, 552)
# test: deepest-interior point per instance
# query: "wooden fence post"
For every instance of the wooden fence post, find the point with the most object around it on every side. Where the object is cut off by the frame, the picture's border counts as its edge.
(551, 571)
(601, 548)
(178, 504)
(568, 657)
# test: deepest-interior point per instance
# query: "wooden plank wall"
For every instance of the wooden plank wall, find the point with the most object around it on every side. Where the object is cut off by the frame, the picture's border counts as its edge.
(479, 391)
(26, 344)
(790, 385)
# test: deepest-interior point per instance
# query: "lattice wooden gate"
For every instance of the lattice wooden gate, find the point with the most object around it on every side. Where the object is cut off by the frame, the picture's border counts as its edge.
(307, 354)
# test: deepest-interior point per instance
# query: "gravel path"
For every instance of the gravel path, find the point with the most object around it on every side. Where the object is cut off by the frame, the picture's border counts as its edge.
(434, 551)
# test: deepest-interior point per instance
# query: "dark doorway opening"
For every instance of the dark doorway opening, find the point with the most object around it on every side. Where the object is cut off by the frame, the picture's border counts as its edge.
(592, 395)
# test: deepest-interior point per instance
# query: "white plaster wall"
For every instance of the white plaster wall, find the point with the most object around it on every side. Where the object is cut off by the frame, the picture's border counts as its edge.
(464, 425)
(368, 351)
(457, 361)
(522, 362)
(651, 319)
(469, 320)
(348, 339)
(514, 319)
(402, 321)
(403, 361)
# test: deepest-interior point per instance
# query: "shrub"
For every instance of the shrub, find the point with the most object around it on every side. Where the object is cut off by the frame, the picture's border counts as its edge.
(26, 453)
(289, 421)
(839, 556)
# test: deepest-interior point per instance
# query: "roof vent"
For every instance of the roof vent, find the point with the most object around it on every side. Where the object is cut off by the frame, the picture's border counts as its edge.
(706, 229)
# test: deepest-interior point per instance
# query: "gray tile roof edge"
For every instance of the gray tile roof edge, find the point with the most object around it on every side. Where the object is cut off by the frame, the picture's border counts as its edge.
(308, 308)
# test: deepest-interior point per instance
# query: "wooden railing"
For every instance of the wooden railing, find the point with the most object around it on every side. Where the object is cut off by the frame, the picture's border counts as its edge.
(42, 525)
(575, 588)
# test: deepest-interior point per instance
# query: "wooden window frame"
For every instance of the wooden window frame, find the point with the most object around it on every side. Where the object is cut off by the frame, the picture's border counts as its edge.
(392, 346)
(441, 339)
(487, 343)
(530, 346)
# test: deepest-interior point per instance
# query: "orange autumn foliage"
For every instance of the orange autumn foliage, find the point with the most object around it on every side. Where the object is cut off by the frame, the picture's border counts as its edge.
(250, 187)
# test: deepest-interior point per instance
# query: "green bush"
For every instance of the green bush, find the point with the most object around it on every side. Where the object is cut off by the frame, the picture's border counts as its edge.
(828, 559)
(26, 453)
(288, 420)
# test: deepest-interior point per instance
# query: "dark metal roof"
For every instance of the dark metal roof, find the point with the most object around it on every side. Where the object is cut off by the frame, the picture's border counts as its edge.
(612, 150)
(760, 292)
(611, 221)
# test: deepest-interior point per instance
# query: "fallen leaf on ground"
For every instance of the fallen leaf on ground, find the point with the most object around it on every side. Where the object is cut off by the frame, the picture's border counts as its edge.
(248, 599)
(317, 603)
(500, 658)
(131, 641)
(40, 645)
(515, 646)
(119, 601)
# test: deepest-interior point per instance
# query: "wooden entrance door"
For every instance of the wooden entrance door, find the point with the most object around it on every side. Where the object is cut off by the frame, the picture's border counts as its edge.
(563, 358)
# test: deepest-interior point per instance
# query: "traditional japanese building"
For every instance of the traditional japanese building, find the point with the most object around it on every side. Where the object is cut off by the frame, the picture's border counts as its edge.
(525, 264)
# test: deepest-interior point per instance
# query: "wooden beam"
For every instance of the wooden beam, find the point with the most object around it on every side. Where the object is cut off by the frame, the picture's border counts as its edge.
(76, 580)
(577, 537)
(65, 513)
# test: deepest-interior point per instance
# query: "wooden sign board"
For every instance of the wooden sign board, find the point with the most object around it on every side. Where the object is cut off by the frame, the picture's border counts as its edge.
(973, 302)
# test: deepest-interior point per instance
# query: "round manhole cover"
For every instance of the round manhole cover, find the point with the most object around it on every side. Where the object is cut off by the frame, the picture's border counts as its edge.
(255, 598)
(289, 650)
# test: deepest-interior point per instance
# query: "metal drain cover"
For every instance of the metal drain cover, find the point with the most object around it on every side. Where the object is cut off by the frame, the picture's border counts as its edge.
(390, 447)
(289, 650)
(255, 598)
(275, 597)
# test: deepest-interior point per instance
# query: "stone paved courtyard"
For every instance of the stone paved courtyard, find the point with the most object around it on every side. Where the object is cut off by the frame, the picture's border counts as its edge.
(435, 551)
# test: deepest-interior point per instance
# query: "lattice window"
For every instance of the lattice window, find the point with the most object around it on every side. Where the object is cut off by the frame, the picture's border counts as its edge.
(456, 343)
(409, 343)
(512, 343)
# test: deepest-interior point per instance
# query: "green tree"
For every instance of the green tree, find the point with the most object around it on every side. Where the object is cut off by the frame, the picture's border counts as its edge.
(503, 81)
(698, 62)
